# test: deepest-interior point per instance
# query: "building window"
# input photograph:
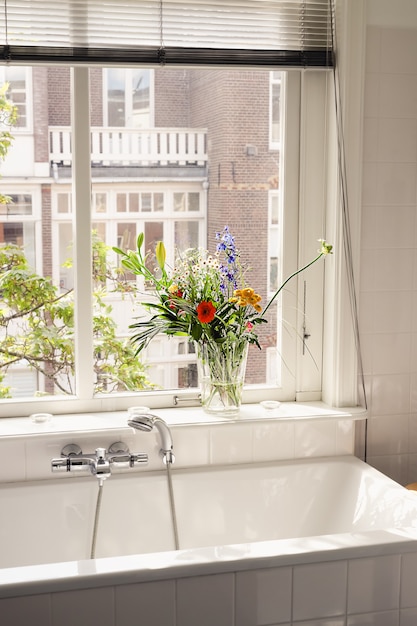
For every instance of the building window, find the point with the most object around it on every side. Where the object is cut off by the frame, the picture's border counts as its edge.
(18, 224)
(274, 242)
(17, 79)
(128, 97)
(275, 110)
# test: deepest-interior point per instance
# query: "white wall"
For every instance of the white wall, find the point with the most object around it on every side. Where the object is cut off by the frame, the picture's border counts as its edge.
(388, 275)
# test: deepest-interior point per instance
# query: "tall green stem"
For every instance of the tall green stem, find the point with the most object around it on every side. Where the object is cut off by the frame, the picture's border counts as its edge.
(288, 279)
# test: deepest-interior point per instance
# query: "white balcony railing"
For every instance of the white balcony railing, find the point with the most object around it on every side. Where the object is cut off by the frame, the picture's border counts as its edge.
(125, 146)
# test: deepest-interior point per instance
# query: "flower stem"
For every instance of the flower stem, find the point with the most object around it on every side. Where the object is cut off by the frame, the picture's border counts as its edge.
(289, 278)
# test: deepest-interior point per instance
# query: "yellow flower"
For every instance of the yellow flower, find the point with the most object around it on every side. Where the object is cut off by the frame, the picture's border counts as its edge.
(173, 288)
(245, 297)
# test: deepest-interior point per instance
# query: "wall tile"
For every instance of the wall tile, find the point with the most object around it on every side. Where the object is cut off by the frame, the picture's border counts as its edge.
(227, 445)
(12, 459)
(150, 603)
(263, 597)
(374, 584)
(392, 353)
(394, 465)
(388, 618)
(206, 600)
(192, 446)
(396, 184)
(345, 435)
(26, 610)
(398, 50)
(86, 606)
(369, 185)
(334, 621)
(408, 617)
(397, 96)
(397, 142)
(408, 596)
(400, 220)
(370, 139)
(320, 441)
(319, 590)
(390, 395)
(388, 434)
(273, 441)
(392, 311)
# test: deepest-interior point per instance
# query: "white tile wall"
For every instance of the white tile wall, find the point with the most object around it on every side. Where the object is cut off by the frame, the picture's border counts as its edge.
(155, 600)
(319, 590)
(206, 600)
(388, 276)
(374, 584)
(263, 597)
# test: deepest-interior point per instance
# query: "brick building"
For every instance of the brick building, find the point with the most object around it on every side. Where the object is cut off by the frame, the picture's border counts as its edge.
(176, 153)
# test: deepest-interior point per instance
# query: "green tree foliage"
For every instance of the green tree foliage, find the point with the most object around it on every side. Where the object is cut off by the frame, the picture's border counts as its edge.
(37, 327)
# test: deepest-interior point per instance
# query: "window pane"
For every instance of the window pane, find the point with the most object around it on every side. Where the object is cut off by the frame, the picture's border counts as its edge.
(16, 77)
(186, 235)
(176, 169)
(116, 97)
(140, 98)
(20, 204)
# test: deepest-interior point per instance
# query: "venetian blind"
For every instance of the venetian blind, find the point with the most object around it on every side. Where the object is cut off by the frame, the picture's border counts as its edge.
(237, 32)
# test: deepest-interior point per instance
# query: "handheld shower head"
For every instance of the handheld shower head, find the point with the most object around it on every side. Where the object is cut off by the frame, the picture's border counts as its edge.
(146, 422)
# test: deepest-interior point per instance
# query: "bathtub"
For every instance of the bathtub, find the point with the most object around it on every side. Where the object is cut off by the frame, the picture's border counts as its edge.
(232, 521)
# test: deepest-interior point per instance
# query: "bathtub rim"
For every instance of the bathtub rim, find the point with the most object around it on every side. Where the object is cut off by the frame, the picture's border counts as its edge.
(171, 565)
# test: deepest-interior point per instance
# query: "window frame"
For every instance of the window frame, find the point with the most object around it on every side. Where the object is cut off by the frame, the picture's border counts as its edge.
(86, 400)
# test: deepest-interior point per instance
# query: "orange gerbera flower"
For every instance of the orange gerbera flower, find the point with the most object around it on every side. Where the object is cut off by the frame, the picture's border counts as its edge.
(206, 312)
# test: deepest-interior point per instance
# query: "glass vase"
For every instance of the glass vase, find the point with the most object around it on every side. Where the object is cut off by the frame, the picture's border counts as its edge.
(221, 373)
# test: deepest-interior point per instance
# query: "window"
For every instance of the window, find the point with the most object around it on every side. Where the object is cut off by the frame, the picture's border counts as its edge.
(200, 178)
(128, 97)
(17, 78)
(18, 219)
(275, 110)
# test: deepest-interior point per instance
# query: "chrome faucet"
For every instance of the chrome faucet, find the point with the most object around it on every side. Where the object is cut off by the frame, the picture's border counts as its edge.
(146, 422)
(100, 462)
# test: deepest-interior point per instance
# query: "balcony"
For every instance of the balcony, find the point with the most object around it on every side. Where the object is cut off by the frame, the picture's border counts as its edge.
(125, 147)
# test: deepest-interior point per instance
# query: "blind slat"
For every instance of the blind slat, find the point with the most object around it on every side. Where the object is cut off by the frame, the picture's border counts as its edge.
(83, 29)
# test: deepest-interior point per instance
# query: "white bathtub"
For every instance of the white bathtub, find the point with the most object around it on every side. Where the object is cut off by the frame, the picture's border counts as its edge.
(230, 519)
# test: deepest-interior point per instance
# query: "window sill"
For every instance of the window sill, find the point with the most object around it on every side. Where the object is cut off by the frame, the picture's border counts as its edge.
(187, 416)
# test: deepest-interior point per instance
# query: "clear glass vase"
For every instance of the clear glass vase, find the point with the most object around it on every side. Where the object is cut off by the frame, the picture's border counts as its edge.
(221, 374)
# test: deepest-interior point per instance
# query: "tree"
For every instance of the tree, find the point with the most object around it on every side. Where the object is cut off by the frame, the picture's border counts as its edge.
(37, 327)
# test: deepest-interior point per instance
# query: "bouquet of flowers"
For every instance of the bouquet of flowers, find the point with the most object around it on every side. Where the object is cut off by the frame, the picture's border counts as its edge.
(205, 297)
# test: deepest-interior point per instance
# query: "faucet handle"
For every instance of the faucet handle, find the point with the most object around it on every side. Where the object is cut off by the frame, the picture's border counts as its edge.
(119, 455)
(71, 458)
(71, 449)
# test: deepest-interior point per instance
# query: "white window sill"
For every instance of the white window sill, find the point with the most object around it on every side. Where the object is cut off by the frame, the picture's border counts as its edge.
(183, 416)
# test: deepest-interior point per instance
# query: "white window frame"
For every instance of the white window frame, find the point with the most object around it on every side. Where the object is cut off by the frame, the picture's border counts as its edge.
(306, 98)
